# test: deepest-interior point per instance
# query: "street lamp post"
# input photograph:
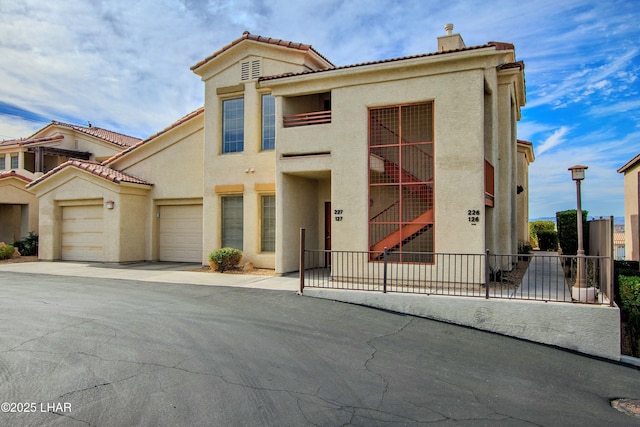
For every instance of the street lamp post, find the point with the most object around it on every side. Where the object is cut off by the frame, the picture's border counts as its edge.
(580, 291)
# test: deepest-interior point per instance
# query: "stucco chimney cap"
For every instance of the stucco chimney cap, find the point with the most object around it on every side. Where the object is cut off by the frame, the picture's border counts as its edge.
(449, 29)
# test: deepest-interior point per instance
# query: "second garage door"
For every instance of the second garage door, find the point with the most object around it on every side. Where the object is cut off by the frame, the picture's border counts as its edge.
(180, 233)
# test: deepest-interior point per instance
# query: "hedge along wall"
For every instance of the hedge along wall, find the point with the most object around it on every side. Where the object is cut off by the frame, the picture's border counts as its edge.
(630, 299)
(568, 231)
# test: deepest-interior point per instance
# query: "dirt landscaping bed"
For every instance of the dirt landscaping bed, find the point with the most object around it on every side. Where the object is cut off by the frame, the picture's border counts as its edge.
(33, 258)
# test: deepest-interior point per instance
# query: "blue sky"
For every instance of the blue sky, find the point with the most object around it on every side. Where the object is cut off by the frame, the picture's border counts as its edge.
(124, 66)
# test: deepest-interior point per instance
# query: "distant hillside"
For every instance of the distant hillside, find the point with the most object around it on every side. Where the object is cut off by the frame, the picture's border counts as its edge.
(617, 220)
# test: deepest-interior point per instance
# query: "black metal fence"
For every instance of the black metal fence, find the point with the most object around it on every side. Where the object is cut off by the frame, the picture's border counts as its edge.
(541, 276)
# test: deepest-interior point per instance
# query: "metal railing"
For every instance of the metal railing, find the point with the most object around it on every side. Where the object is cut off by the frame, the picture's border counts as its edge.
(541, 276)
(306, 119)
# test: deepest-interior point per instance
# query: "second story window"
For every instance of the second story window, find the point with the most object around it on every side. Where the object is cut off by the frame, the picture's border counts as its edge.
(14, 162)
(233, 125)
(268, 122)
(2, 162)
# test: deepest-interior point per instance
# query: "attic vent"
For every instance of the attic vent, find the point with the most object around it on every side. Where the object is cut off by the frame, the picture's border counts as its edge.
(250, 70)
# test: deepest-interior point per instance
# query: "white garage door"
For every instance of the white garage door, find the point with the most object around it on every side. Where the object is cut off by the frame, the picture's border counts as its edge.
(180, 233)
(82, 238)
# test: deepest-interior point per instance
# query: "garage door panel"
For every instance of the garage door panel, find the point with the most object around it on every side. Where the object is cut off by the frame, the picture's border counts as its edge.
(180, 233)
(82, 233)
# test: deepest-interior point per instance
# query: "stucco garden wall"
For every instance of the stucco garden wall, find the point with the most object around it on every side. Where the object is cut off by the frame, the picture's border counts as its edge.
(589, 329)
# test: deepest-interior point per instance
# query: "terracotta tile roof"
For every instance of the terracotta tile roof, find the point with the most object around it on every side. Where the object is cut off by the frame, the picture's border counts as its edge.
(248, 36)
(13, 174)
(165, 130)
(31, 141)
(104, 134)
(519, 64)
(94, 168)
(496, 45)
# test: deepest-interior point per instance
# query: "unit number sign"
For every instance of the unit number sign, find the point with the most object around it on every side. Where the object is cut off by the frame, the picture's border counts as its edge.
(338, 214)
(474, 216)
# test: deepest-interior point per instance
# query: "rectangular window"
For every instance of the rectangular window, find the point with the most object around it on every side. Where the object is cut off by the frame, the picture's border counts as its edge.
(232, 222)
(268, 122)
(14, 162)
(3, 164)
(233, 125)
(401, 181)
(268, 232)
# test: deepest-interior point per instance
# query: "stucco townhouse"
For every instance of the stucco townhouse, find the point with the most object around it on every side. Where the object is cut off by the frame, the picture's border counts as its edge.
(416, 154)
(23, 160)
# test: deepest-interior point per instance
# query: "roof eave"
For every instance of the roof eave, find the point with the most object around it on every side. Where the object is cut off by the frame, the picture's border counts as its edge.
(629, 164)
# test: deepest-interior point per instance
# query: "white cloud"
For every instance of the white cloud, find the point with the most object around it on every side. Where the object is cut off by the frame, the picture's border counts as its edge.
(555, 139)
(12, 127)
(125, 65)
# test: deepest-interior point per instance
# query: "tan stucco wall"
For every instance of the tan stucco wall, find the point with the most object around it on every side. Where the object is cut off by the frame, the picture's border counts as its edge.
(631, 214)
(174, 164)
(18, 210)
(123, 226)
(459, 154)
(586, 328)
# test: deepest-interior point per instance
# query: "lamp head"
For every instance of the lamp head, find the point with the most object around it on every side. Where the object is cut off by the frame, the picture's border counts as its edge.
(577, 172)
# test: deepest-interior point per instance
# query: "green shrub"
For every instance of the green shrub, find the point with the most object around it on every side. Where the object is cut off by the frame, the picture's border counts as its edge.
(623, 268)
(536, 226)
(29, 245)
(630, 299)
(568, 231)
(6, 251)
(548, 240)
(225, 258)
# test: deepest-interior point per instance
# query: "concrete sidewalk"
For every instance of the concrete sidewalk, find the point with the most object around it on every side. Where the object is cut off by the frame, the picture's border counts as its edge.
(166, 272)
(544, 279)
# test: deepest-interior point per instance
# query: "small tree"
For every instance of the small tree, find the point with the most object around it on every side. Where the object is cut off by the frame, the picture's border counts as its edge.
(568, 231)
(28, 245)
(537, 226)
(548, 240)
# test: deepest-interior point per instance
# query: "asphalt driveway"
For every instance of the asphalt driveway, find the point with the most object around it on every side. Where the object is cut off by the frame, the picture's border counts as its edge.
(80, 351)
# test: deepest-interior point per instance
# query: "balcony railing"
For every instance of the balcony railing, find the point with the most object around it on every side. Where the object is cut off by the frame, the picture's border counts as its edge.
(306, 119)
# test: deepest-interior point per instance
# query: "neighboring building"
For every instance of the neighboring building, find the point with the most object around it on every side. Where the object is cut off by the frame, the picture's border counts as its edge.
(618, 246)
(23, 160)
(416, 154)
(525, 158)
(631, 171)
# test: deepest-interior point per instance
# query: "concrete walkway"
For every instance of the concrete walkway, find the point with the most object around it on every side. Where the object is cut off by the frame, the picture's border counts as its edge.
(166, 272)
(544, 280)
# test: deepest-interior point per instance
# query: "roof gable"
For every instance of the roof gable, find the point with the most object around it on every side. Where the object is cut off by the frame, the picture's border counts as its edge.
(321, 61)
(13, 175)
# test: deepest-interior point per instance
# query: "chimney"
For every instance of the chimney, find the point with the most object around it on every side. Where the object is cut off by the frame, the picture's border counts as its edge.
(450, 41)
